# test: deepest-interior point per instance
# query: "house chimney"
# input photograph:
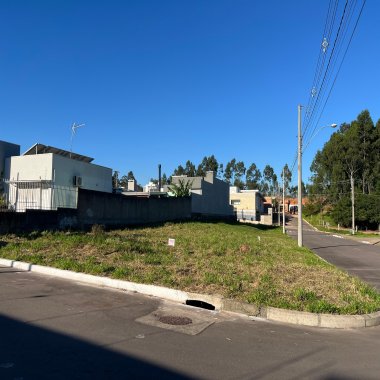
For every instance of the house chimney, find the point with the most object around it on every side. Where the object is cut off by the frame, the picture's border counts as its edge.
(159, 177)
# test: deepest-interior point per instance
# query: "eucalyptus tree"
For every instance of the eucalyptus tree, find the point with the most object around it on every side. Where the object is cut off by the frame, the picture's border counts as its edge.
(239, 171)
(253, 177)
(208, 164)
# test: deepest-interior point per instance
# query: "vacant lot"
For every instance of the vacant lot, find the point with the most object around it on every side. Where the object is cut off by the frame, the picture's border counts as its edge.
(259, 266)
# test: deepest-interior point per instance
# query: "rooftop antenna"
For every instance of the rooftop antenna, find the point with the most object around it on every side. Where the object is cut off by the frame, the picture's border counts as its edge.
(74, 128)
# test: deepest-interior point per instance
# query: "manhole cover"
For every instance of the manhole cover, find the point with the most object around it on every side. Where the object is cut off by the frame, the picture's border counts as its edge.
(175, 320)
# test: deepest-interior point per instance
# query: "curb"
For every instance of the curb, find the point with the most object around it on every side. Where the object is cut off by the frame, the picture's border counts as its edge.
(300, 318)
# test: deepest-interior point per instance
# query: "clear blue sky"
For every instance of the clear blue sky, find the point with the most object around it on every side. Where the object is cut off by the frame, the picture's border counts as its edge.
(170, 80)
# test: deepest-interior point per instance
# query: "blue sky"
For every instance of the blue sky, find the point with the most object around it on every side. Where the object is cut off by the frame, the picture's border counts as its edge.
(167, 81)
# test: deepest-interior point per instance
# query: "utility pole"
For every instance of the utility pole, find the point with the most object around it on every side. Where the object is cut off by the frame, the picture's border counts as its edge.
(352, 202)
(299, 178)
(283, 201)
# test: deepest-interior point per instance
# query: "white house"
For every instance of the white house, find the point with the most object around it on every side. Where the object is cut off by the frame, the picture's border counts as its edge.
(45, 177)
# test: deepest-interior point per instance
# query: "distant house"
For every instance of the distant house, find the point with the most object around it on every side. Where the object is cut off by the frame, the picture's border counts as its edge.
(45, 177)
(247, 204)
(209, 195)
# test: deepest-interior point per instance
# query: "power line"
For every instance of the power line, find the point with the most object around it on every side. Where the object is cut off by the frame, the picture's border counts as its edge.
(340, 66)
(306, 127)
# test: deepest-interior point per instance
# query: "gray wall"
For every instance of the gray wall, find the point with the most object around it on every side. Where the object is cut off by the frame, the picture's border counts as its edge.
(210, 196)
(96, 207)
(7, 150)
(116, 209)
(214, 200)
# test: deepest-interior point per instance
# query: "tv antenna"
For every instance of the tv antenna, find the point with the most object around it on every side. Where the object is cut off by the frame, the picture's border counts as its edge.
(74, 128)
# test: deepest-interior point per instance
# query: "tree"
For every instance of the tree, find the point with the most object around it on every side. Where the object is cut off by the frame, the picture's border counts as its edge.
(164, 179)
(347, 171)
(239, 170)
(190, 169)
(182, 189)
(252, 177)
(125, 178)
(115, 179)
(208, 164)
(179, 171)
(286, 176)
(270, 178)
(229, 171)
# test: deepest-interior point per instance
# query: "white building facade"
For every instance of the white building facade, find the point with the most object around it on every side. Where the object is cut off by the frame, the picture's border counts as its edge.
(47, 178)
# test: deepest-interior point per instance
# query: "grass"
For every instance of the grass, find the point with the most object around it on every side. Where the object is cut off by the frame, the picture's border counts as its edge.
(243, 262)
(315, 220)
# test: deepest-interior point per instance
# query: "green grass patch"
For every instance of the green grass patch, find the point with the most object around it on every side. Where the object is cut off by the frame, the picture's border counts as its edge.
(244, 262)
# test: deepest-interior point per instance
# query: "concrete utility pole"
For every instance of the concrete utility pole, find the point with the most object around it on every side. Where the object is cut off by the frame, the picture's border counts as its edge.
(352, 202)
(299, 178)
(283, 201)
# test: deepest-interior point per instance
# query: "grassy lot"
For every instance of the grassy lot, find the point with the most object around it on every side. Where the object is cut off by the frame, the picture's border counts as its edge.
(244, 262)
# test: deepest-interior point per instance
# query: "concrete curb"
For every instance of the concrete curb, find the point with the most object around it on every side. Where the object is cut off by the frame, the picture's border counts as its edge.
(271, 313)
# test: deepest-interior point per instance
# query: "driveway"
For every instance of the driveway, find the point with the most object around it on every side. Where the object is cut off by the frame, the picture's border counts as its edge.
(355, 255)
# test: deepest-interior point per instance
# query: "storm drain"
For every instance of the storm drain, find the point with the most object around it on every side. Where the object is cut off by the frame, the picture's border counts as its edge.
(179, 318)
(201, 304)
(175, 320)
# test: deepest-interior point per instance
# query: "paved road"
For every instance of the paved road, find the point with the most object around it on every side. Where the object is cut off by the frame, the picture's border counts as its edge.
(57, 329)
(356, 257)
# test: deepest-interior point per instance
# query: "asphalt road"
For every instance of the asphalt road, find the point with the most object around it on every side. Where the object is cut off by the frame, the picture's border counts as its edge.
(353, 255)
(57, 329)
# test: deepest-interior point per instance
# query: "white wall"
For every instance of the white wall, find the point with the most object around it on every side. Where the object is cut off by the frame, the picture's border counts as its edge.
(52, 167)
(94, 177)
(30, 168)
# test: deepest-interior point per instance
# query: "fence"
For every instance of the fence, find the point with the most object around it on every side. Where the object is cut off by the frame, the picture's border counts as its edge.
(20, 196)
(247, 215)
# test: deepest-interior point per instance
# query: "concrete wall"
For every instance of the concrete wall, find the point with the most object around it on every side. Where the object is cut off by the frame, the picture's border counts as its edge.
(116, 209)
(209, 195)
(36, 220)
(99, 208)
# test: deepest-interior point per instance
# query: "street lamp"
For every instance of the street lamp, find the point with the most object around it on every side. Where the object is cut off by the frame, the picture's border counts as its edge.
(300, 232)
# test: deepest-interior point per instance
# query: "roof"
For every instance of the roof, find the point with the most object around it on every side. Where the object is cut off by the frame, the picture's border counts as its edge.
(41, 149)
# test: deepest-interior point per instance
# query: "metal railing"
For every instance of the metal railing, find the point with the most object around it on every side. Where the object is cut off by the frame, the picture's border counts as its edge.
(247, 215)
(20, 196)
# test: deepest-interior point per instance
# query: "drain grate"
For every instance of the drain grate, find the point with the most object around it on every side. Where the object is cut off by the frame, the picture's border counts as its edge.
(175, 320)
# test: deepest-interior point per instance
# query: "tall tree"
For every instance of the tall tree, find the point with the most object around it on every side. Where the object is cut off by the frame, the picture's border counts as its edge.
(286, 176)
(253, 177)
(208, 164)
(229, 171)
(115, 179)
(349, 165)
(125, 178)
(190, 169)
(179, 171)
(239, 170)
(270, 178)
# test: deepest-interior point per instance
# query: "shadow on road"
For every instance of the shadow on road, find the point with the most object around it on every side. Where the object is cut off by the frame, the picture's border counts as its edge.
(31, 352)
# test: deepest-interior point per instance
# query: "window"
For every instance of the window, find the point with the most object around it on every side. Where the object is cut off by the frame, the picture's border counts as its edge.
(235, 202)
